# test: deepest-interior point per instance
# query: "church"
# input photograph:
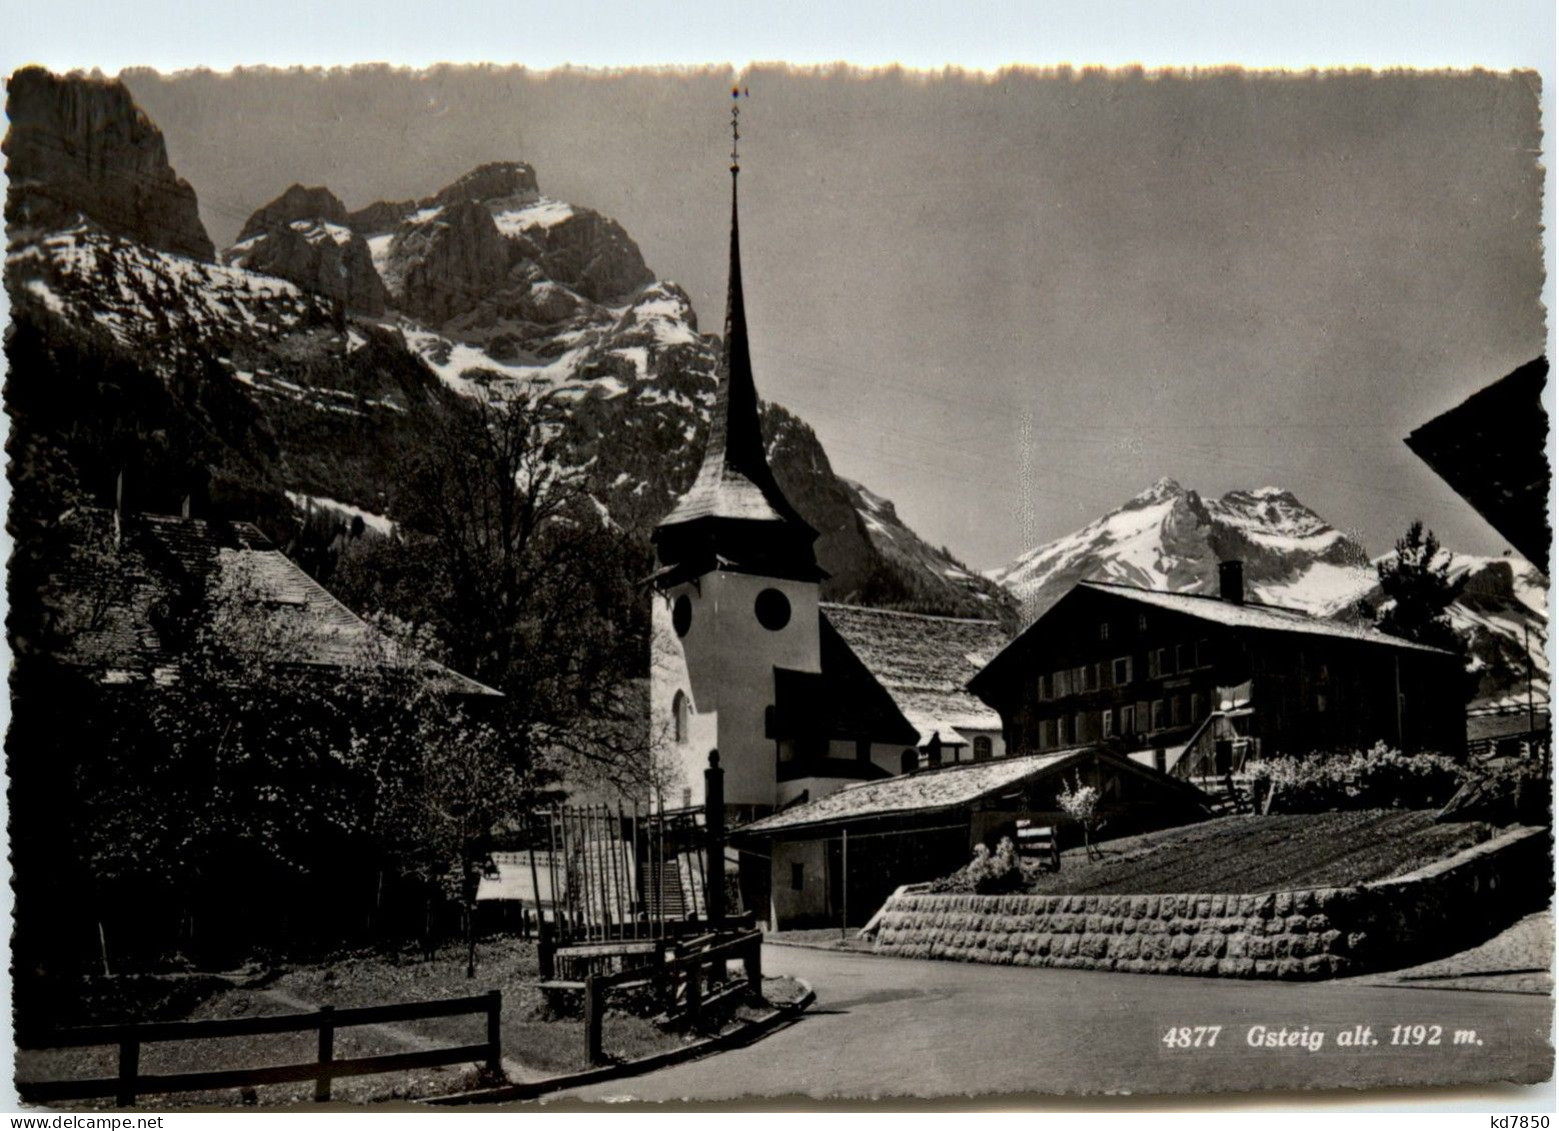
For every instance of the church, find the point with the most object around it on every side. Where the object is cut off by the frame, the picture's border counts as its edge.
(746, 660)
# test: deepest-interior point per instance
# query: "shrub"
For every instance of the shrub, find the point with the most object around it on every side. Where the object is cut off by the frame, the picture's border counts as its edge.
(1378, 778)
(988, 873)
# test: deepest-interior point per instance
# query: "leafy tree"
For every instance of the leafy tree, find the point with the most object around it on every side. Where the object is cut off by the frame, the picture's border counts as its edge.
(1081, 803)
(522, 576)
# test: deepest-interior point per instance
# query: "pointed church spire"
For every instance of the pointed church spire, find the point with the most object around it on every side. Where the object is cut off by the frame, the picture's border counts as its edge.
(735, 483)
(736, 424)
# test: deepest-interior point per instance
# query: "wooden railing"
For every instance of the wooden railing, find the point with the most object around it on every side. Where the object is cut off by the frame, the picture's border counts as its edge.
(686, 961)
(130, 1083)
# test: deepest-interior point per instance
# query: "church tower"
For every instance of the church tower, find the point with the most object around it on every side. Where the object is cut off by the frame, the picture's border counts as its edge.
(736, 590)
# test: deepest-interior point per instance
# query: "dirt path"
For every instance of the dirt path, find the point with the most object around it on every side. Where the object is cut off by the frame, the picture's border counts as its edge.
(396, 1034)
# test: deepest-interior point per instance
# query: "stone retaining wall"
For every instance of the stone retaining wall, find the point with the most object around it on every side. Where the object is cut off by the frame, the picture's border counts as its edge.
(1313, 933)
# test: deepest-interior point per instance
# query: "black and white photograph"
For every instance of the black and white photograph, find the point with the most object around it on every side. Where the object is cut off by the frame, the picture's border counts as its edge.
(777, 583)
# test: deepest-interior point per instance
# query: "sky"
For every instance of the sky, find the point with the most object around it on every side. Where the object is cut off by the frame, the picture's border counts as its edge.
(1006, 304)
(1009, 302)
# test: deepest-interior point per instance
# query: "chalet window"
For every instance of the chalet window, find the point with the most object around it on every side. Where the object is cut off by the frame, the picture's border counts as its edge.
(1128, 720)
(1122, 671)
(1060, 684)
(982, 748)
(798, 876)
(1063, 731)
(1108, 723)
(1198, 707)
(1142, 622)
(1042, 688)
(1079, 680)
(1104, 630)
(1082, 729)
(1185, 657)
(1157, 717)
(1177, 710)
(1091, 676)
(1155, 662)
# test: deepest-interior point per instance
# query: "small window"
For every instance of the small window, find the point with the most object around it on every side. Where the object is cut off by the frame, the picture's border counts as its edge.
(1128, 721)
(982, 748)
(1042, 687)
(1198, 707)
(1157, 717)
(1080, 727)
(1185, 657)
(1104, 630)
(1142, 622)
(1062, 737)
(679, 716)
(1108, 721)
(798, 877)
(1177, 710)
(1123, 671)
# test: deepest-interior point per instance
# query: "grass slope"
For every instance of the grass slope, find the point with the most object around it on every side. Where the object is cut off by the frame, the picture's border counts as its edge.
(1270, 853)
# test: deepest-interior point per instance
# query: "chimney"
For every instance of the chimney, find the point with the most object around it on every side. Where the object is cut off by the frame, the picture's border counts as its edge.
(1231, 582)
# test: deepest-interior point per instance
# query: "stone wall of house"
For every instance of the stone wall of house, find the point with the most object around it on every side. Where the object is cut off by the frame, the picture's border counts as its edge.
(1308, 934)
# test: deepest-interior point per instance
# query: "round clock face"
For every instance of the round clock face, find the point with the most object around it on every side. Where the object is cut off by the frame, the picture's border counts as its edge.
(682, 615)
(773, 609)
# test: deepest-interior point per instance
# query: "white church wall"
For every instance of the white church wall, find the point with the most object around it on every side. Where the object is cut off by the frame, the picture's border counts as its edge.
(725, 664)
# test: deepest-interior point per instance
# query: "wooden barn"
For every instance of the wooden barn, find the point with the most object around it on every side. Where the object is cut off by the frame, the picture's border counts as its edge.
(836, 859)
(1154, 673)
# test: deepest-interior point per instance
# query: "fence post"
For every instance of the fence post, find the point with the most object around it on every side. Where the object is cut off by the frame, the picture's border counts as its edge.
(544, 946)
(593, 1012)
(129, 1066)
(327, 1053)
(752, 962)
(695, 990)
(494, 1032)
(714, 828)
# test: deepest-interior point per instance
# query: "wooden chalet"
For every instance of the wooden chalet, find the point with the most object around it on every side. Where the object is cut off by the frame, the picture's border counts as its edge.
(1157, 675)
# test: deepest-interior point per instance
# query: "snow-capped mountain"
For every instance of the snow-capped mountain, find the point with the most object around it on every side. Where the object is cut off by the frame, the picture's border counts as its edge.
(313, 358)
(1170, 538)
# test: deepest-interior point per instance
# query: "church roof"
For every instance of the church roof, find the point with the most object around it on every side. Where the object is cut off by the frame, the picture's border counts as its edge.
(843, 700)
(924, 663)
(735, 481)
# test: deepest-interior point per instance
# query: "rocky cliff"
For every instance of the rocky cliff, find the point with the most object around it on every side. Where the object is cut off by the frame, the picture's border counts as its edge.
(330, 340)
(82, 148)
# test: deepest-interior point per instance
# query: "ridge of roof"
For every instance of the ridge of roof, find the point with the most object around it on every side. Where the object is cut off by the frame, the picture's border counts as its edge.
(1276, 617)
(902, 613)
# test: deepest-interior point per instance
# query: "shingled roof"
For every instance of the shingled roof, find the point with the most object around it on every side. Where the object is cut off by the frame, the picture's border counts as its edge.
(924, 663)
(123, 600)
(951, 787)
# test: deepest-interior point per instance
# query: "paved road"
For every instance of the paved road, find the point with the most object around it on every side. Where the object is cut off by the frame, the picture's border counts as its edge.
(886, 1027)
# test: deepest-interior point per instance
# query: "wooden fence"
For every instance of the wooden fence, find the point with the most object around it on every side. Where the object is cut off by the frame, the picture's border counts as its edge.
(681, 973)
(130, 1083)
